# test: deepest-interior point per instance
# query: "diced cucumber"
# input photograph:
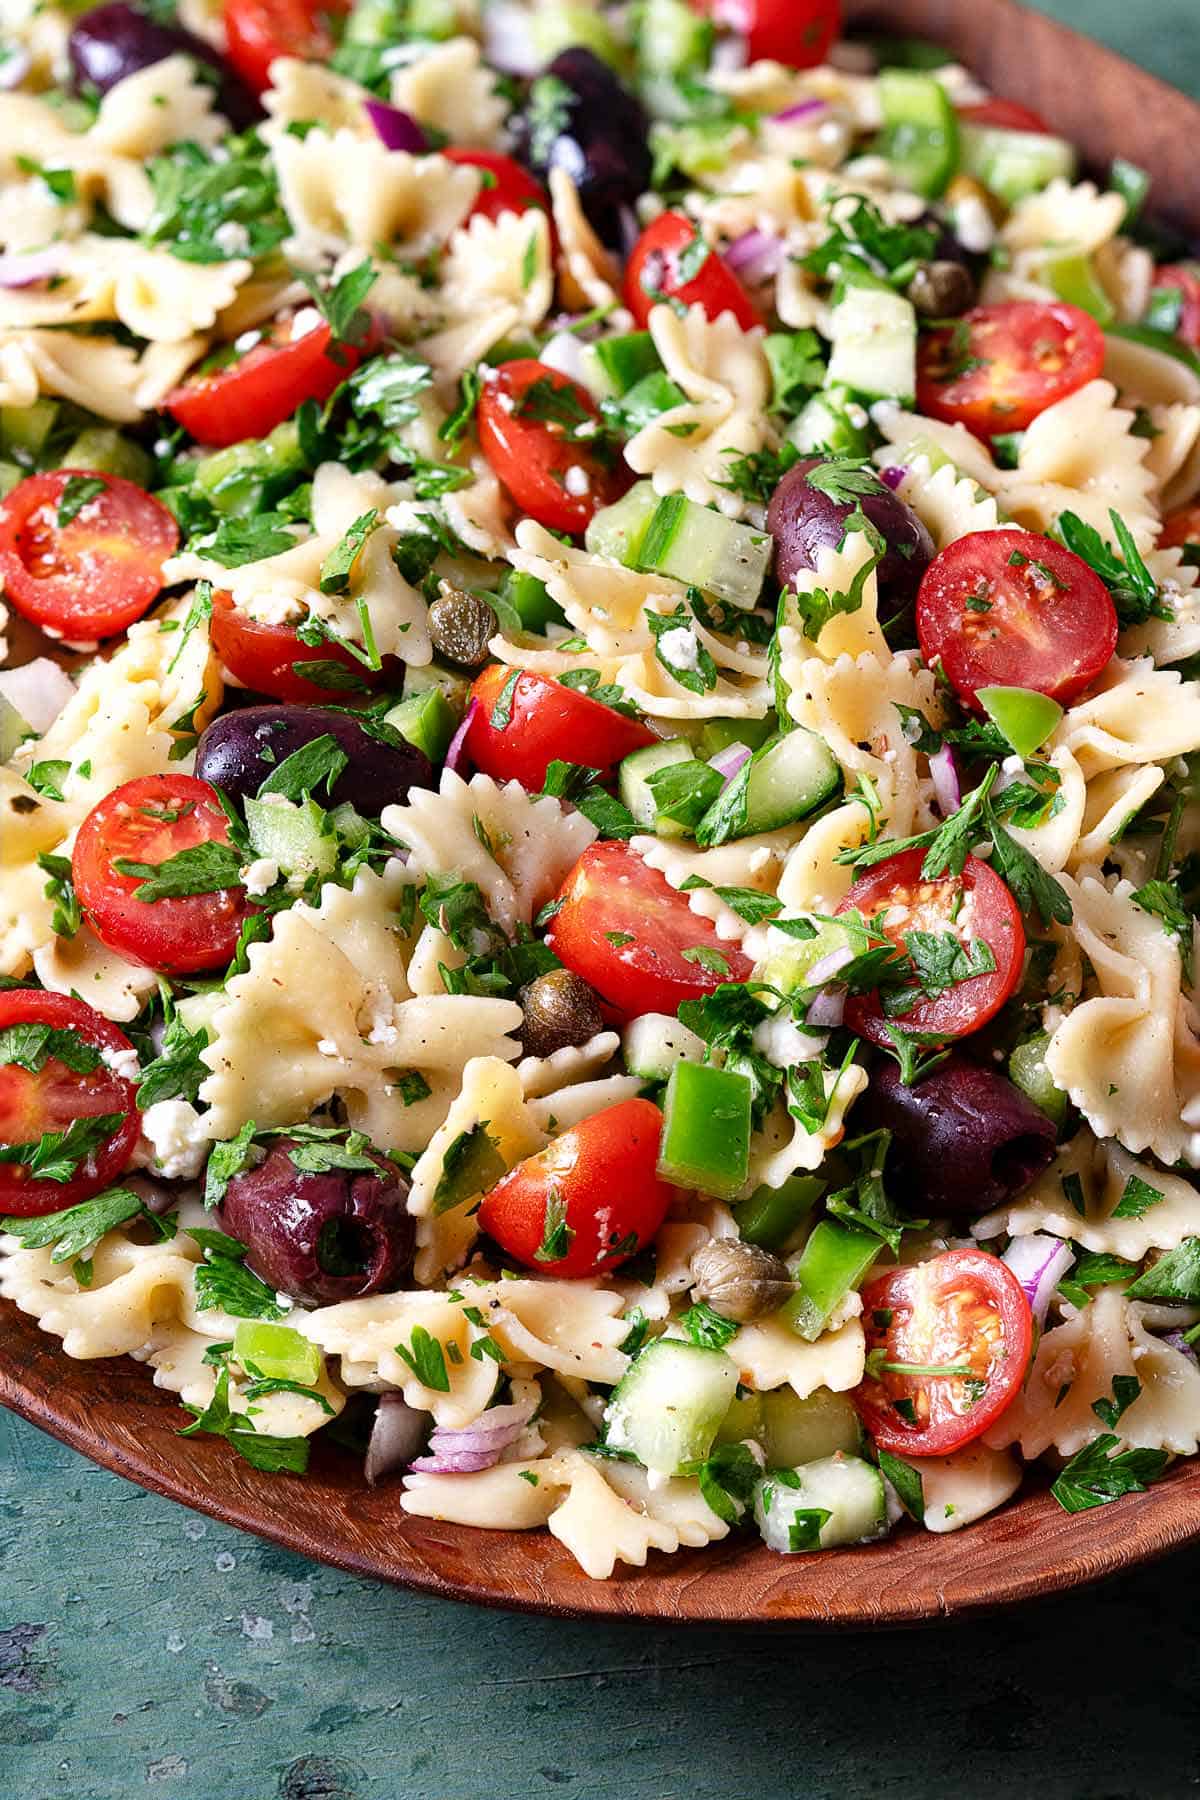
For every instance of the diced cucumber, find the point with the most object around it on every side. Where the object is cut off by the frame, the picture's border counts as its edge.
(789, 778)
(850, 1490)
(1072, 277)
(452, 684)
(917, 447)
(718, 734)
(832, 421)
(920, 130)
(235, 479)
(1024, 716)
(743, 1420)
(1014, 164)
(278, 1352)
(771, 1215)
(557, 26)
(426, 720)
(25, 429)
(296, 836)
(617, 531)
(109, 453)
(13, 729)
(798, 1431)
(10, 474)
(834, 1260)
(631, 781)
(676, 537)
(655, 1043)
(874, 343)
(706, 1129)
(786, 967)
(624, 361)
(672, 38)
(198, 1011)
(669, 1404)
(1027, 1070)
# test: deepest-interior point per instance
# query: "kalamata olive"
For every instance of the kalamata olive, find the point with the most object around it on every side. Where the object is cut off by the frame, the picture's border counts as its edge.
(321, 1237)
(804, 519)
(117, 40)
(462, 625)
(240, 749)
(964, 1140)
(579, 118)
(942, 290)
(560, 1009)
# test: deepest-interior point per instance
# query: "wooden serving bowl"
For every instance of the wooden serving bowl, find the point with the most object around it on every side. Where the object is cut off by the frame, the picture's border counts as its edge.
(110, 1411)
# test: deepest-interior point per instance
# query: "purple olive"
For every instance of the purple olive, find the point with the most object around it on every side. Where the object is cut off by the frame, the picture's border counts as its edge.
(241, 749)
(803, 520)
(117, 40)
(579, 118)
(964, 1140)
(321, 1238)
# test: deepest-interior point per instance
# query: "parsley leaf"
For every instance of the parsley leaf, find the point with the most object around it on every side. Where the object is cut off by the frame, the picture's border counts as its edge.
(56, 1155)
(273, 1455)
(1175, 1276)
(1094, 1477)
(1163, 899)
(427, 1360)
(224, 1284)
(31, 1046)
(844, 480)
(337, 567)
(76, 1228)
(557, 1236)
(907, 1482)
(727, 1480)
(318, 763)
(204, 868)
(686, 660)
(341, 305)
(1125, 1390)
(707, 1328)
(225, 1160)
(1136, 595)
(238, 541)
(1137, 1199)
(77, 491)
(805, 1526)
(176, 1072)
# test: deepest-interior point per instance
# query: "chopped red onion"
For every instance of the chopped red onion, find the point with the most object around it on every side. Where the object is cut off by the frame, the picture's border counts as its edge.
(803, 109)
(893, 477)
(14, 67)
(26, 268)
(508, 39)
(946, 789)
(1039, 1263)
(727, 762)
(827, 966)
(474, 1447)
(756, 255)
(828, 1008)
(396, 1436)
(39, 690)
(456, 755)
(1178, 1341)
(395, 129)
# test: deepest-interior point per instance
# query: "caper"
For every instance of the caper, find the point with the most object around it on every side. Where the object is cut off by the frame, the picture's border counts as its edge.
(740, 1281)
(942, 290)
(560, 1009)
(461, 626)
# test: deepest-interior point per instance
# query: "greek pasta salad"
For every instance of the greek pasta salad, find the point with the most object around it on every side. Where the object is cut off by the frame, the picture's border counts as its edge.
(600, 802)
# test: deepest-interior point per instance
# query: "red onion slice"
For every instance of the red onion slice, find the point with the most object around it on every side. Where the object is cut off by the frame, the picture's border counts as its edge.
(1178, 1341)
(893, 477)
(1039, 1263)
(828, 966)
(398, 1433)
(14, 67)
(727, 762)
(946, 789)
(463, 1462)
(456, 755)
(828, 1008)
(395, 129)
(756, 255)
(803, 109)
(472, 1448)
(27, 268)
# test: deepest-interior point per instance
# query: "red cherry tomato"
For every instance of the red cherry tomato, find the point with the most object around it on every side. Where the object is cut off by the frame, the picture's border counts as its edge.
(1187, 281)
(975, 906)
(98, 571)
(149, 821)
(797, 32)
(1181, 528)
(998, 367)
(266, 658)
(257, 31)
(628, 932)
(546, 722)
(669, 262)
(48, 1100)
(528, 422)
(963, 1311)
(248, 398)
(1014, 609)
(1009, 115)
(589, 1200)
(511, 188)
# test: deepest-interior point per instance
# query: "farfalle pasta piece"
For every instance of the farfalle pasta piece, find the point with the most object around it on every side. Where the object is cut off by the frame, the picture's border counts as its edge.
(449, 87)
(152, 293)
(541, 1075)
(1174, 455)
(96, 373)
(480, 515)
(965, 1486)
(517, 847)
(724, 374)
(1136, 715)
(676, 1503)
(770, 1355)
(500, 264)
(599, 1528)
(949, 504)
(1082, 455)
(846, 573)
(603, 600)
(1120, 1214)
(307, 93)
(1075, 1366)
(148, 111)
(1060, 214)
(785, 1146)
(514, 1496)
(364, 1335)
(341, 191)
(813, 879)
(749, 862)
(83, 965)
(587, 274)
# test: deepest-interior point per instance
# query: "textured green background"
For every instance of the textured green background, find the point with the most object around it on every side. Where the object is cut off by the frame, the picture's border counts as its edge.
(144, 1650)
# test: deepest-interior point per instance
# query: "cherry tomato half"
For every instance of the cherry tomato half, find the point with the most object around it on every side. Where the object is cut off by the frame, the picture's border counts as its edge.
(628, 932)
(546, 721)
(975, 906)
(50, 1099)
(1180, 528)
(671, 261)
(589, 1200)
(509, 189)
(797, 32)
(98, 570)
(1008, 115)
(963, 1311)
(266, 658)
(1186, 280)
(1015, 609)
(529, 420)
(998, 367)
(248, 398)
(257, 31)
(149, 821)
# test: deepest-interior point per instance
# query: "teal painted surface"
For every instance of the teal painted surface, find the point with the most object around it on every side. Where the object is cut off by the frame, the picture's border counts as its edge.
(147, 1651)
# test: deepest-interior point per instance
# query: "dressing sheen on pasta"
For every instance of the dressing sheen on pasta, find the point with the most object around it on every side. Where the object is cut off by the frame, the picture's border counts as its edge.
(686, 560)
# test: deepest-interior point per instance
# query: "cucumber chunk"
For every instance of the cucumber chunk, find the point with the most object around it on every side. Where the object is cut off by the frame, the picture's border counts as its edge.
(654, 1044)
(706, 1129)
(789, 778)
(1027, 1070)
(832, 421)
(13, 729)
(25, 429)
(426, 720)
(1015, 164)
(874, 343)
(617, 531)
(109, 453)
(631, 782)
(796, 1431)
(198, 1011)
(920, 130)
(788, 1504)
(668, 1406)
(294, 836)
(694, 544)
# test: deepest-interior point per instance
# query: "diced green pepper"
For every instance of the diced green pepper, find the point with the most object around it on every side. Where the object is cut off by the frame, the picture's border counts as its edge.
(717, 734)
(277, 1352)
(625, 360)
(25, 429)
(1027, 1070)
(706, 1129)
(109, 453)
(427, 721)
(834, 1260)
(771, 1215)
(1073, 279)
(1025, 717)
(531, 601)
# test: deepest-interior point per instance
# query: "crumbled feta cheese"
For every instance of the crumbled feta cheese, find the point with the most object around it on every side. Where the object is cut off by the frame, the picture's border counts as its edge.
(122, 1062)
(857, 415)
(260, 875)
(577, 480)
(306, 320)
(174, 1142)
(784, 1044)
(974, 226)
(679, 648)
(276, 608)
(232, 237)
(247, 341)
(326, 1047)
(383, 1029)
